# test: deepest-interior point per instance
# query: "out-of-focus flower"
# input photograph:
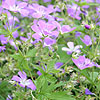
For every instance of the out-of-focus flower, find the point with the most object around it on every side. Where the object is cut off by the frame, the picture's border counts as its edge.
(3, 39)
(72, 48)
(47, 0)
(48, 41)
(2, 48)
(87, 26)
(23, 81)
(66, 29)
(15, 6)
(13, 44)
(88, 92)
(78, 34)
(74, 11)
(58, 65)
(83, 62)
(87, 40)
(39, 73)
(9, 97)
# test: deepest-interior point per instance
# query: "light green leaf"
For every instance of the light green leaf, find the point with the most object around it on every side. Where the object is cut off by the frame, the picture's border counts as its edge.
(31, 53)
(59, 96)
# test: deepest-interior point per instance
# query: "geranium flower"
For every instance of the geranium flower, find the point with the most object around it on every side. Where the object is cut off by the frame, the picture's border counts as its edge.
(67, 28)
(72, 48)
(87, 40)
(23, 81)
(2, 48)
(74, 11)
(83, 62)
(15, 6)
(87, 92)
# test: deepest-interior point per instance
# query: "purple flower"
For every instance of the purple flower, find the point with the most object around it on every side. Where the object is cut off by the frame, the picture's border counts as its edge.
(48, 41)
(9, 97)
(58, 65)
(74, 11)
(87, 92)
(23, 38)
(72, 48)
(78, 34)
(15, 34)
(15, 6)
(67, 28)
(3, 39)
(87, 26)
(87, 40)
(23, 81)
(47, 0)
(39, 73)
(2, 48)
(13, 44)
(83, 62)
(45, 30)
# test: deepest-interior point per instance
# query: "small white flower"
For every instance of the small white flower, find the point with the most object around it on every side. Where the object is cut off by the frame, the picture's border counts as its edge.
(72, 48)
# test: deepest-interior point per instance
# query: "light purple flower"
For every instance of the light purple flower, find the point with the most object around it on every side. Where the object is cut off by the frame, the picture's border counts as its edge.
(39, 73)
(23, 38)
(78, 34)
(45, 30)
(3, 39)
(88, 92)
(67, 28)
(13, 44)
(23, 81)
(58, 65)
(15, 34)
(48, 41)
(2, 48)
(87, 40)
(74, 11)
(9, 97)
(83, 62)
(47, 0)
(71, 48)
(15, 6)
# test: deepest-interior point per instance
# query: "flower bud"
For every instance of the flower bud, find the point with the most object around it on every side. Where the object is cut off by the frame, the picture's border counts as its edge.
(87, 26)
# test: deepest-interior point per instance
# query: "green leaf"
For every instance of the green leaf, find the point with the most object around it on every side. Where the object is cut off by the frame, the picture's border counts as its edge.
(17, 56)
(93, 75)
(63, 55)
(59, 96)
(85, 3)
(31, 53)
(50, 65)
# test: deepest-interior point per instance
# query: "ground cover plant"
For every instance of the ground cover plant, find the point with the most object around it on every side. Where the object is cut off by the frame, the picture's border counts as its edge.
(49, 50)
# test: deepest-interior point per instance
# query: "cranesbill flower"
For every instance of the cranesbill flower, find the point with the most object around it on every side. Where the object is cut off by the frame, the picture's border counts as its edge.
(88, 92)
(48, 41)
(39, 73)
(83, 62)
(15, 6)
(3, 39)
(87, 26)
(9, 97)
(67, 28)
(74, 11)
(23, 81)
(72, 48)
(87, 40)
(58, 65)
(2, 48)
